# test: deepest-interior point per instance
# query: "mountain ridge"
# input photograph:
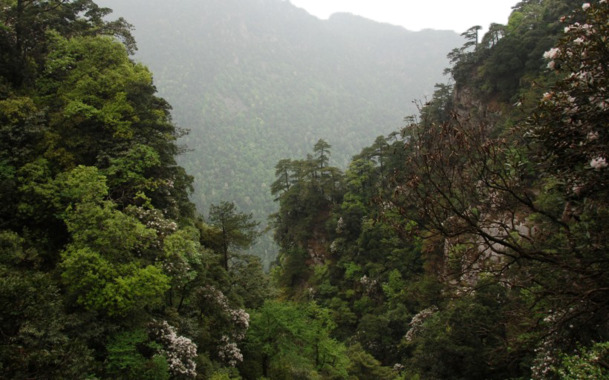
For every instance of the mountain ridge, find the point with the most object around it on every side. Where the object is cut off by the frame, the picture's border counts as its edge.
(256, 81)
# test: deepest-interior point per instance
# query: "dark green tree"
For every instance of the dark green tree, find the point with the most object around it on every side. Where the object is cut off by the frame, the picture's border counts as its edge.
(237, 230)
(25, 25)
(288, 340)
(284, 174)
(322, 152)
(471, 37)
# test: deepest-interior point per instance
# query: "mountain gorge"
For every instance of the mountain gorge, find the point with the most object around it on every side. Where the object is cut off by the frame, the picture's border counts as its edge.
(256, 81)
(471, 243)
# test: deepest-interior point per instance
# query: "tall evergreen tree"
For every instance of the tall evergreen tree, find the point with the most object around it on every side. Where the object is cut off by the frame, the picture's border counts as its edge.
(237, 230)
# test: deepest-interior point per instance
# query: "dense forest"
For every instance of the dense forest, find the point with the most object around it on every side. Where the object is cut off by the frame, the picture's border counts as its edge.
(469, 244)
(255, 81)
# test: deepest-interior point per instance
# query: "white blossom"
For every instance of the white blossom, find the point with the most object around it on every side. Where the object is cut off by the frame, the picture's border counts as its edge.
(545, 360)
(416, 324)
(577, 189)
(552, 53)
(585, 6)
(368, 283)
(598, 163)
(216, 296)
(239, 317)
(229, 352)
(179, 350)
(592, 136)
(241, 320)
(340, 225)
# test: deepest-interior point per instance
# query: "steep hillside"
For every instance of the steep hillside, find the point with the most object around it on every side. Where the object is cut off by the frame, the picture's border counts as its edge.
(255, 81)
(472, 244)
(104, 266)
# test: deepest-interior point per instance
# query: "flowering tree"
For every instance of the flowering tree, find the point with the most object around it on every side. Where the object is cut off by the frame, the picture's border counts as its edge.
(235, 320)
(179, 351)
(571, 123)
(528, 210)
(571, 128)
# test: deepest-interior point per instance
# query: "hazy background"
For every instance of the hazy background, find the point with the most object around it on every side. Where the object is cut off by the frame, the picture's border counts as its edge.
(256, 81)
(417, 15)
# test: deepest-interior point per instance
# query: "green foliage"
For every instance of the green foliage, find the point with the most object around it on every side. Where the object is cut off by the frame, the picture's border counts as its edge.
(36, 189)
(99, 284)
(80, 185)
(107, 230)
(287, 340)
(509, 58)
(365, 366)
(284, 177)
(345, 80)
(310, 190)
(90, 192)
(129, 174)
(465, 340)
(23, 32)
(103, 112)
(183, 257)
(35, 342)
(249, 281)
(132, 356)
(322, 150)
(589, 363)
(236, 229)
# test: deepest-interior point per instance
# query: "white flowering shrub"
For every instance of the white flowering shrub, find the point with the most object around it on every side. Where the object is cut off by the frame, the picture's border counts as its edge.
(215, 296)
(546, 359)
(416, 324)
(178, 350)
(241, 321)
(572, 128)
(368, 284)
(229, 352)
(239, 318)
(154, 219)
(572, 123)
(238, 322)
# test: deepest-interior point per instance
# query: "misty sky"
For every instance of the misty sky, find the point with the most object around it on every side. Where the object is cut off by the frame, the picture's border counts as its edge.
(457, 15)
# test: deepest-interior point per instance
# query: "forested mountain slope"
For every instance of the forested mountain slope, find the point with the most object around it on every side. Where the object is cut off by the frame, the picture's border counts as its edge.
(104, 264)
(258, 80)
(472, 243)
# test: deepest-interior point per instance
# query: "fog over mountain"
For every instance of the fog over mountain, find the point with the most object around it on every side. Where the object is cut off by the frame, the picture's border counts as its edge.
(259, 80)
